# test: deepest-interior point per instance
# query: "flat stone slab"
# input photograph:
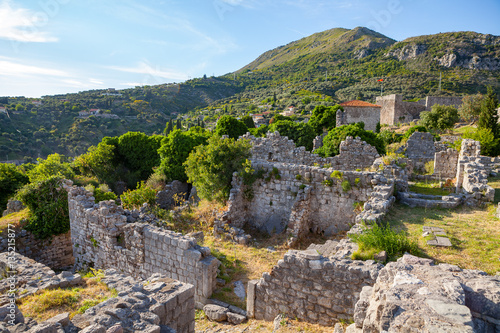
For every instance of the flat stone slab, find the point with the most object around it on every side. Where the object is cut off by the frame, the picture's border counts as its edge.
(439, 241)
(439, 235)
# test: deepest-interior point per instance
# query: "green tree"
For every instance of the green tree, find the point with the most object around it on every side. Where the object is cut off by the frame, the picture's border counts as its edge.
(139, 152)
(441, 117)
(324, 118)
(20, 107)
(489, 144)
(331, 142)
(98, 161)
(302, 134)
(489, 114)
(248, 121)
(11, 179)
(471, 107)
(179, 124)
(175, 150)
(168, 128)
(48, 206)
(54, 165)
(230, 126)
(260, 131)
(210, 168)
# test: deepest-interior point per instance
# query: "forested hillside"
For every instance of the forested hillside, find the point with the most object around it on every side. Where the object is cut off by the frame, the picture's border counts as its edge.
(323, 69)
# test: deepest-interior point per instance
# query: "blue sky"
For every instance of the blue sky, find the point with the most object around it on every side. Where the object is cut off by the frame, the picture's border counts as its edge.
(59, 46)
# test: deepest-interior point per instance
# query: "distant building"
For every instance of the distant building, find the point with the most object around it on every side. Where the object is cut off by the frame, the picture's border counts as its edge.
(3, 109)
(91, 112)
(290, 111)
(258, 120)
(111, 92)
(37, 103)
(395, 110)
(356, 111)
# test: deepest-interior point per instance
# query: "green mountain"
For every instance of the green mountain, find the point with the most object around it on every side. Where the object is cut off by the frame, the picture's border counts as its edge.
(354, 60)
(325, 68)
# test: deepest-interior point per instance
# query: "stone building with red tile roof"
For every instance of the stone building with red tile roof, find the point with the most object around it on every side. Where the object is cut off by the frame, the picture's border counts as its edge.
(356, 111)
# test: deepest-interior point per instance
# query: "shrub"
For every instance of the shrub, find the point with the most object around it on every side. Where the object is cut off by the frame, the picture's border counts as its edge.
(383, 238)
(298, 177)
(136, 198)
(210, 168)
(331, 142)
(489, 144)
(48, 205)
(337, 174)
(327, 182)
(346, 185)
(11, 179)
(413, 129)
(441, 117)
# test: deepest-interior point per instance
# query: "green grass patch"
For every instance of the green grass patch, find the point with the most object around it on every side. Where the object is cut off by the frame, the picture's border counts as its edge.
(429, 188)
(383, 238)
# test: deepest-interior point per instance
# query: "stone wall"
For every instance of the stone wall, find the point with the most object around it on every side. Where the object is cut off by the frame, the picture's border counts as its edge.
(370, 116)
(102, 238)
(394, 110)
(354, 153)
(455, 101)
(445, 163)
(56, 252)
(413, 295)
(420, 149)
(472, 175)
(299, 197)
(311, 288)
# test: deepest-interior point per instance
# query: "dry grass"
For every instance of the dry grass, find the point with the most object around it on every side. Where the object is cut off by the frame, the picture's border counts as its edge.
(474, 234)
(252, 325)
(48, 303)
(13, 219)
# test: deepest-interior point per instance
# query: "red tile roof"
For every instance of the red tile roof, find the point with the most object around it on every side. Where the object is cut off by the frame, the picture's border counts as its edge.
(360, 104)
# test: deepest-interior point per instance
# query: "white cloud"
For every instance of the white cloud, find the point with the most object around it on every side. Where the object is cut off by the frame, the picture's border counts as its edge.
(23, 25)
(151, 72)
(11, 68)
(96, 81)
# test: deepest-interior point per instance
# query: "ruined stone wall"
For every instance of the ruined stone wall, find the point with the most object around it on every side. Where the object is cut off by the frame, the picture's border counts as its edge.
(472, 174)
(445, 164)
(310, 287)
(299, 197)
(394, 110)
(370, 116)
(413, 295)
(420, 149)
(455, 101)
(102, 238)
(354, 153)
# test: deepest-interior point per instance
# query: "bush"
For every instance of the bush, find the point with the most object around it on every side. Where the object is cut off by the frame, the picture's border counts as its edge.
(210, 168)
(231, 127)
(54, 165)
(101, 193)
(302, 134)
(383, 238)
(331, 142)
(11, 179)
(413, 129)
(489, 144)
(136, 198)
(346, 185)
(441, 117)
(48, 206)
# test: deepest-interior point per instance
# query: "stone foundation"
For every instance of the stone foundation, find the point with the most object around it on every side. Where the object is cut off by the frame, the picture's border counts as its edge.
(310, 287)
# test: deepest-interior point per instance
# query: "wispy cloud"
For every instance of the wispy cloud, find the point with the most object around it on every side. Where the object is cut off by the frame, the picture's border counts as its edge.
(154, 72)
(22, 25)
(8, 67)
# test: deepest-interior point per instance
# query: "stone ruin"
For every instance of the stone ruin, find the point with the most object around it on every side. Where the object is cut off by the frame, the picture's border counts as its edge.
(161, 275)
(158, 304)
(302, 192)
(102, 238)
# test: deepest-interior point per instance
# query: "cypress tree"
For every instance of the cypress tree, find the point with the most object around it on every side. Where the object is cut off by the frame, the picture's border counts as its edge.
(179, 124)
(488, 118)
